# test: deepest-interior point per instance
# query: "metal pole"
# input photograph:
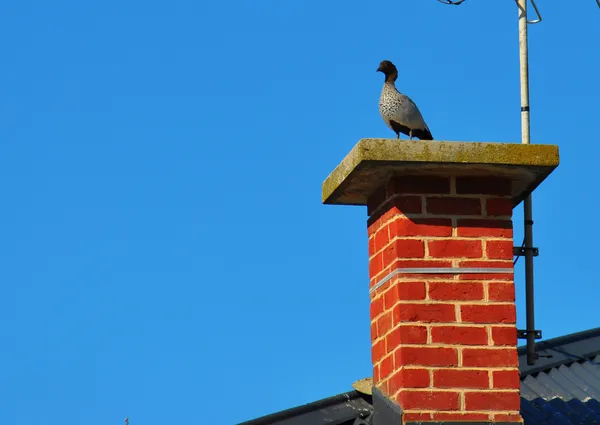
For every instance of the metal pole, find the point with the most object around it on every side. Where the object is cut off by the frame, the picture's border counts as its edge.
(527, 205)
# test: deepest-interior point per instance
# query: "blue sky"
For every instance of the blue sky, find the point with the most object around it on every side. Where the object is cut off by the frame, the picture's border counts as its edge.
(165, 254)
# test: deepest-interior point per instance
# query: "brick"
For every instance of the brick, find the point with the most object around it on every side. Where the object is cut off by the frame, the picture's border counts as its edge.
(504, 335)
(404, 264)
(483, 186)
(380, 219)
(374, 334)
(376, 200)
(488, 276)
(500, 264)
(452, 248)
(428, 400)
(419, 184)
(456, 291)
(490, 357)
(453, 206)
(453, 378)
(378, 351)
(376, 265)
(397, 206)
(492, 314)
(421, 227)
(463, 335)
(476, 228)
(382, 238)
(408, 291)
(381, 383)
(376, 376)
(501, 291)
(386, 367)
(376, 307)
(425, 356)
(500, 249)
(508, 417)
(496, 207)
(384, 323)
(508, 379)
(456, 416)
(408, 378)
(407, 204)
(415, 416)
(428, 313)
(403, 291)
(390, 297)
(492, 400)
(372, 247)
(403, 248)
(406, 335)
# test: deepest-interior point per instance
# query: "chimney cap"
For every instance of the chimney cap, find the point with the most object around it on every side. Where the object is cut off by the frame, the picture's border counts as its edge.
(372, 162)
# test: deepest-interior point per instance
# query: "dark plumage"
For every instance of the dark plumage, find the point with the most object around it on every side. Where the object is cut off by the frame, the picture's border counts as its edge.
(398, 111)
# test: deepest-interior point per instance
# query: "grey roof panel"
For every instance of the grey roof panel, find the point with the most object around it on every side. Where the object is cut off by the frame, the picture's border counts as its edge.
(561, 377)
(537, 389)
(593, 367)
(567, 394)
(579, 380)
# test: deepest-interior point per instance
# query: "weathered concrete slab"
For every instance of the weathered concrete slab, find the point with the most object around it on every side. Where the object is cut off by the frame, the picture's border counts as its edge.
(373, 161)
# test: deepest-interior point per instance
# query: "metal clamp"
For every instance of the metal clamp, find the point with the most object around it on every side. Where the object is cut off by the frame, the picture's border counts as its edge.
(520, 251)
(537, 12)
(522, 334)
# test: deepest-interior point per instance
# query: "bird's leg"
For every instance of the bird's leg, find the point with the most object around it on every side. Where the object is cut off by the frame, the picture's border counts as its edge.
(398, 136)
(410, 134)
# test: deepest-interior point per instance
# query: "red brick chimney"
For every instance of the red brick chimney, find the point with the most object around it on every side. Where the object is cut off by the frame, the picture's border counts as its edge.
(444, 340)
(441, 271)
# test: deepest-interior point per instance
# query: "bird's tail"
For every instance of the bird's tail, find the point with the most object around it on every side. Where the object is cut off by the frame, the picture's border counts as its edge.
(427, 134)
(424, 134)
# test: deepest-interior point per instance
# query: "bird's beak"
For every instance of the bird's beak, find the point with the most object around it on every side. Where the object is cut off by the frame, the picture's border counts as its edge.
(378, 70)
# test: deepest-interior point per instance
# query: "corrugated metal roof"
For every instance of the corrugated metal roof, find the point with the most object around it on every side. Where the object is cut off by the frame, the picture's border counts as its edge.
(567, 394)
(562, 388)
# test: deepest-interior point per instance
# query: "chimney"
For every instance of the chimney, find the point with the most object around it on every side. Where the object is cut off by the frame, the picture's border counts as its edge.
(442, 313)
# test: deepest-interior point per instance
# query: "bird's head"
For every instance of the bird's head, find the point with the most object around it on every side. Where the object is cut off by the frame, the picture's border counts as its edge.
(389, 70)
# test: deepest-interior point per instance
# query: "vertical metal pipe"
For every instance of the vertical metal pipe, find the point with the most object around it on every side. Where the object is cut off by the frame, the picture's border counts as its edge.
(527, 204)
(524, 61)
(529, 292)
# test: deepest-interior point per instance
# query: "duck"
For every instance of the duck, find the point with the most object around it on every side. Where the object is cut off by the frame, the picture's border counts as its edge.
(398, 110)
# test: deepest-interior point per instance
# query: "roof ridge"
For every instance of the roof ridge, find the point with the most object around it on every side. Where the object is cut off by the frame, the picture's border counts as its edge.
(350, 404)
(578, 346)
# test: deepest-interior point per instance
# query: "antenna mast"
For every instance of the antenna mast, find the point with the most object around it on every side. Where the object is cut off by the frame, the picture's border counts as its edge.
(528, 250)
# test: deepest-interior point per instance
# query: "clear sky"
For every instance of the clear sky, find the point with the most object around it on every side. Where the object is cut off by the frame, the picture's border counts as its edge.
(164, 251)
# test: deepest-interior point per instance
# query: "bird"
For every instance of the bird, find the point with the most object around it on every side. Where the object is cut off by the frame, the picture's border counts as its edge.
(398, 111)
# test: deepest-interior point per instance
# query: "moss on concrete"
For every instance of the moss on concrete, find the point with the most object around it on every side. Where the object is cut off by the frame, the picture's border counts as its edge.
(373, 160)
(364, 386)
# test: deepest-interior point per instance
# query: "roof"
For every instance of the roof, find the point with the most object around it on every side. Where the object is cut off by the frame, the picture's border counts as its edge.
(563, 389)
(342, 409)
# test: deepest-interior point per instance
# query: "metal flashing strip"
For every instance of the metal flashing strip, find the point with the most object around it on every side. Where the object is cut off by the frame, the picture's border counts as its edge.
(441, 270)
